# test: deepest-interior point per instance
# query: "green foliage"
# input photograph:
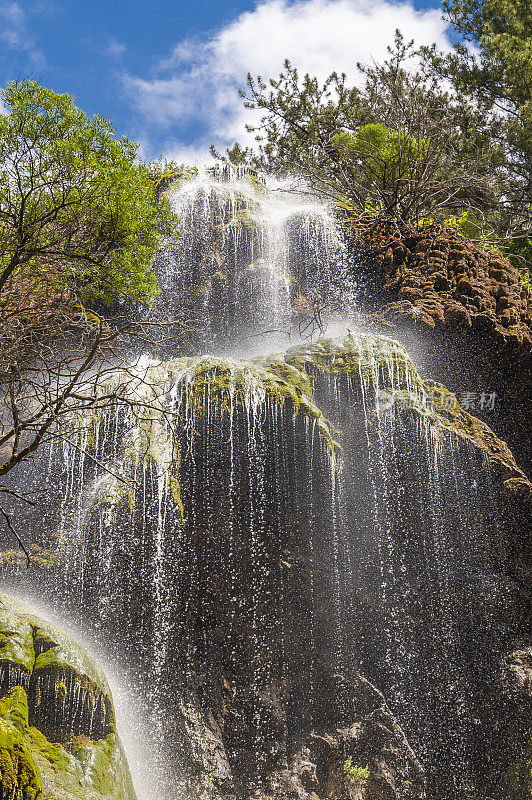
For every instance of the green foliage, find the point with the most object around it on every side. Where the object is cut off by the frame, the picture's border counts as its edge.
(496, 74)
(466, 225)
(462, 224)
(394, 155)
(74, 198)
(444, 138)
(235, 155)
(519, 251)
(399, 143)
(378, 141)
(502, 69)
(355, 775)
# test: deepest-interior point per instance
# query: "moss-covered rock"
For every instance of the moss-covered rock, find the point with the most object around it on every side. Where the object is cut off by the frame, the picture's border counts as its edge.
(165, 402)
(467, 307)
(19, 774)
(58, 737)
(30, 642)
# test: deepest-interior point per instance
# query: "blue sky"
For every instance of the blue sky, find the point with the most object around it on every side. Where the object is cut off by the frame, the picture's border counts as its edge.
(167, 73)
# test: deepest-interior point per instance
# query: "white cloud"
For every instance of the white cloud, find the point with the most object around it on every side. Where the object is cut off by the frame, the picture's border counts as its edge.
(197, 85)
(14, 32)
(13, 18)
(115, 48)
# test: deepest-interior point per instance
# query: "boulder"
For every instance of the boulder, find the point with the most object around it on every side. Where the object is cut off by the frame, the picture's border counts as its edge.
(58, 737)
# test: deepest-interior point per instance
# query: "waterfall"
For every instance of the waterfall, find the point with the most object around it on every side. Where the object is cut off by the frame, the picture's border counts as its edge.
(257, 263)
(258, 525)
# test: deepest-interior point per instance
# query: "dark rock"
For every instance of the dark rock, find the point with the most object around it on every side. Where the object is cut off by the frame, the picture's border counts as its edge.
(460, 346)
(373, 741)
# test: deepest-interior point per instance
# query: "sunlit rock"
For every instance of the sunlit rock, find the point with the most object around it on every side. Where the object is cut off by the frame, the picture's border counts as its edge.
(57, 727)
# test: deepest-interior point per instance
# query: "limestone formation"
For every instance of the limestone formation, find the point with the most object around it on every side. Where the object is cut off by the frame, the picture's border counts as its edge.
(468, 308)
(58, 737)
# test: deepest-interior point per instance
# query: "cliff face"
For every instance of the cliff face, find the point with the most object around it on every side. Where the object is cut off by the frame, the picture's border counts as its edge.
(356, 749)
(289, 533)
(57, 728)
(468, 311)
(316, 561)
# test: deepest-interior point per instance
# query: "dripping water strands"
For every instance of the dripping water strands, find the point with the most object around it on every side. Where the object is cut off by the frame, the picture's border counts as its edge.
(270, 527)
(262, 260)
(63, 708)
(245, 488)
(224, 408)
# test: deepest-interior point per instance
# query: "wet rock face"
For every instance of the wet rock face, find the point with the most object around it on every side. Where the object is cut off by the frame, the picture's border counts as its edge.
(57, 726)
(356, 751)
(517, 673)
(515, 686)
(68, 696)
(469, 308)
(274, 529)
(237, 256)
(251, 582)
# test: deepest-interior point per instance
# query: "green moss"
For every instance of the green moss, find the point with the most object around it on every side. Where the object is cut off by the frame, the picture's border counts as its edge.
(191, 387)
(19, 772)
(356, 776)
(22, 635)
(16, 638)
(89, 770)
(40, 557)
(93, 770)
(105, 767)
(361, 357)
(451, 417)
(61, 690)
(171, 395)
(382, 363)
(62, 658)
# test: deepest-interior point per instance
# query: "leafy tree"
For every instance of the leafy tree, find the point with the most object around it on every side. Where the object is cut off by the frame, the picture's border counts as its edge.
(496, 74)
(72, 195)
(299, 118)
(80, 222)
(236, 155)
(387, 165)
(400, 144)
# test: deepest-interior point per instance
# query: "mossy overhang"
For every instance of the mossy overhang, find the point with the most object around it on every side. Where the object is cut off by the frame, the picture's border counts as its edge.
(288, 379)
(89, 770)
(382, 361)
(29, 642)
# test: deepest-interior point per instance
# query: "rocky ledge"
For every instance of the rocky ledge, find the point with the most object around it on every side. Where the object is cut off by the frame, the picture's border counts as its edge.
(468, 307)
(58, 737)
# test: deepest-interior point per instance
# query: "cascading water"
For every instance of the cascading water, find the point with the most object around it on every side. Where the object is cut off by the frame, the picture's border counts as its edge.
(256, 263)
(269, 529)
